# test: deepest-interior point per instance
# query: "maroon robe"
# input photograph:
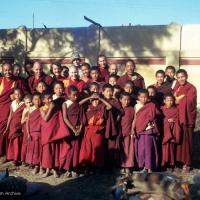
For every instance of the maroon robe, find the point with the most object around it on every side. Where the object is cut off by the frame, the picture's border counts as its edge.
(171, 135)
(113, 132)
(24, 143)
(6, 89)
(137, 80)
(187, 115)
(103, 73)
(145, 143)
(32, 82)
(69, 149)
(162, 90)
(92, 147)
(51, 135)
(34, 144)
(78, 83)
(14, 139)
(127, 150)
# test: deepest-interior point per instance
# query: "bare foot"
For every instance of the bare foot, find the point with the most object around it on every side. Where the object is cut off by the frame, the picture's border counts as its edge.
(55, 174)
(68, 174)
(74, 174)
(35, 170)
(47, 173)
(41, 171)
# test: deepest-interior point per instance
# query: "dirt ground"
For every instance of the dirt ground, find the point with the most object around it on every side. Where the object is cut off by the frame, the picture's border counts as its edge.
(94, 187)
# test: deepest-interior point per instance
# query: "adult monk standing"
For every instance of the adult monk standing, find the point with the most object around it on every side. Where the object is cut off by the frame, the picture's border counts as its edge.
(74, 79)
(38, 76)
(131, 75)
(7, 85)
(103, 66)
(186, 100)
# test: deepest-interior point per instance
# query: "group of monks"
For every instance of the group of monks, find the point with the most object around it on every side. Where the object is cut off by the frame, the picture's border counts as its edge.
(83, 118)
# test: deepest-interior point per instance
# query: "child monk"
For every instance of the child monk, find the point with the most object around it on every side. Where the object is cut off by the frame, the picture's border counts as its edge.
(85, 71)
(49, 127)
(92, 147)
(171, 129)
(14, 128)
(112, 79)
(146, 131)
(28, 104)
(131, 89)
(73, 117)
(41, 87)
(34, 134)
(127, 150)
(112, 131)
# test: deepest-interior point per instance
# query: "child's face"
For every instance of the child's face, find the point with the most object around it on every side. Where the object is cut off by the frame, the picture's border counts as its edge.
(128, 88)
(170, 73)
(152, 92)
(85, 71)
(143, 98)
(41, 87)
(17, 95)
(95, 102)
(94, 74)
(182, 78)
(115, 91)
(36, 101)
(160, 78)
(16, 71)
(28, 102)
(58, 90)
(94, 89)
(47, 99)
(73, 96)
(107, 93)
(125, 101)
(169, 102)
(56, 70)
(112, 81)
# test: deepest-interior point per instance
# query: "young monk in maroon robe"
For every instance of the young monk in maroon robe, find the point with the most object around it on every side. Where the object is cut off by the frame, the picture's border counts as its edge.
(112, 79)
(7, 84)
(103, 67)
(112, 131)
(145, 123)
(56, 70)
(131, 75)
(85, 71)
(14, 128)
(127, 151)
(28, 104)
(92, 147)
(186, 100)
(132, 90)
(73, 117)
(74, 80)
(161, 86)
(95, 77)
(170, 73)
(152, 92)
(49, 128)
(171, 131)
(38, 75)
(34, 134)
(41, 87)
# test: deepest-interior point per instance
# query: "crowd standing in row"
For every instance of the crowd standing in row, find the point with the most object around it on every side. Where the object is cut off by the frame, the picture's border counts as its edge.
(85, 118)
